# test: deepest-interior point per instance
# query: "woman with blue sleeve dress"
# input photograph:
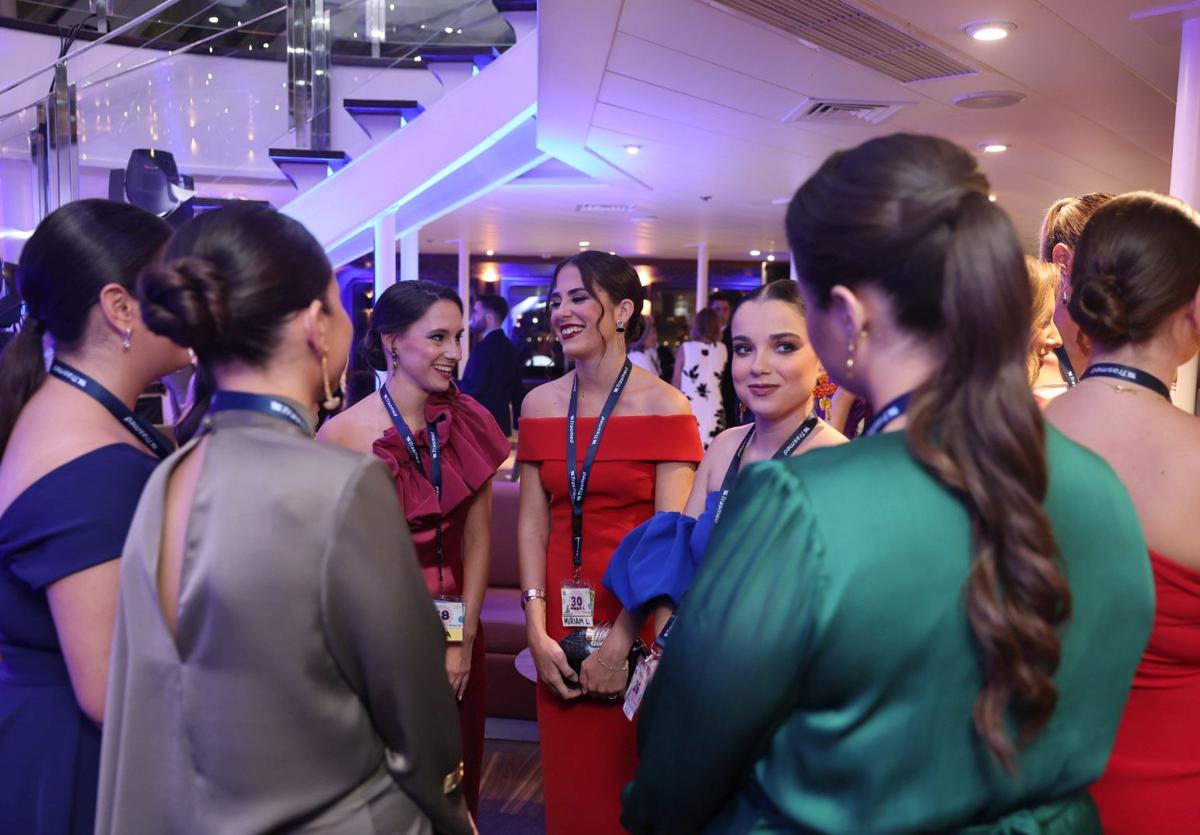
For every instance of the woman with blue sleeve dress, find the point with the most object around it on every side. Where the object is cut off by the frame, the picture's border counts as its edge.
(933, 628)
(73, 461)
(774, 373)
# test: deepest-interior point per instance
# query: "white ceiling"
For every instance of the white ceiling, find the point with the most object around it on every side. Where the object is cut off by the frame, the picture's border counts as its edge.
(704, 91)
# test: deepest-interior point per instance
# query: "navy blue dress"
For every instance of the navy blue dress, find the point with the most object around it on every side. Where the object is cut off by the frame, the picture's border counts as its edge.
(69, 520)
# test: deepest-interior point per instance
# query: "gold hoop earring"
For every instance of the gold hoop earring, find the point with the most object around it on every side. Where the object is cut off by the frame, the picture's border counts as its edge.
(126, 339)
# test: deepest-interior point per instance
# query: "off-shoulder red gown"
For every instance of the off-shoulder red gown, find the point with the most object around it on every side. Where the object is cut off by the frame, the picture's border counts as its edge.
(589, 748)
(1152, 784)
(473, 448)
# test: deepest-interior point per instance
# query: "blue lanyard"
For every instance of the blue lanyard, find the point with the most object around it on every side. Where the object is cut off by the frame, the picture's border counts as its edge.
(578, 482)
(138, 426)
(1064, 364)
(1129, 374)
(435, 466)
(890, 412)
(789, 446)
(243, 401)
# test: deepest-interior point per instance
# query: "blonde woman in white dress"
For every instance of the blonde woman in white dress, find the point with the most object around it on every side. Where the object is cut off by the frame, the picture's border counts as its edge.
(699, 363)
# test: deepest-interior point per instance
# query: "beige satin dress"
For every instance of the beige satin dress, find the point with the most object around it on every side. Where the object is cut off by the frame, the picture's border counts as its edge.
(304, 690)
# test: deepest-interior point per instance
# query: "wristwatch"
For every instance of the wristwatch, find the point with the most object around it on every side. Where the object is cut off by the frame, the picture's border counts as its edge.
(531, 595)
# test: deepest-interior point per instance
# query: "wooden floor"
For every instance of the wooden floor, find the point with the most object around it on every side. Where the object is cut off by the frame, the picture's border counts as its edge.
(510, 800)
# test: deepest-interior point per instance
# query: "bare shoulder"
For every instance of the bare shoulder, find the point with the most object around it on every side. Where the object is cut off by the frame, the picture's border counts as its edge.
(657, 397)
(547, 400)
(825, 435)
(355, 428)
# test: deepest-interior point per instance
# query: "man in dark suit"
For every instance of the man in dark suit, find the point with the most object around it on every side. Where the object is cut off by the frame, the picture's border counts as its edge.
(493, 375)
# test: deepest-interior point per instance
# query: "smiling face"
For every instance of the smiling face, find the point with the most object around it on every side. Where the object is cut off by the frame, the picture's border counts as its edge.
(584, 324)
(428, 351)
(774, 367)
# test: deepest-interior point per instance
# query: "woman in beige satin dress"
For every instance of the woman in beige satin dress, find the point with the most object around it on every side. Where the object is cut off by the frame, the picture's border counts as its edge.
(276, 666)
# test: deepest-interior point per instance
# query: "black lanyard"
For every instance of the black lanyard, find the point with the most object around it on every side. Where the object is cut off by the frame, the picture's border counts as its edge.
(138, 426)
(435, 466)
(1129, 374)
(1064, 364)
(889, 413)
(243, 401)
(789, 446)
(577, 486)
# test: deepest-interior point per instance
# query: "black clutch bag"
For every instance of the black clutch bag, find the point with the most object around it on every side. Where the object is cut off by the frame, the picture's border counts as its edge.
(580, 643)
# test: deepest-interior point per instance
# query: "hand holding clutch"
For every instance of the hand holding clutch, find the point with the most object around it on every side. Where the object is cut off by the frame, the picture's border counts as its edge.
(582, 644)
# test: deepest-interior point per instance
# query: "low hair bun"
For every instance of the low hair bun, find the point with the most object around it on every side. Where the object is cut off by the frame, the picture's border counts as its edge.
(370, 351)
(1100, 311)
(635, 327)
(185, 301)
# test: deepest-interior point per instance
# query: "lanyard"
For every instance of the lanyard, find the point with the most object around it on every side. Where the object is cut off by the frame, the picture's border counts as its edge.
(435, 466)
(578, 481)
(889, 413)
(1129, 374)
(789, 446)
(224, 401)
(138, 426)
(1064, 364)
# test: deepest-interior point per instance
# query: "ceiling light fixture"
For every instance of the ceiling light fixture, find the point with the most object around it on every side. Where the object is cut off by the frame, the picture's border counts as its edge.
(994, 147)
(489, 253)
(754, 253)
(992, 198)
(770, 257)
(449, 30)
(584, 244)
(632, 150)
(417, 60)
(990, 30)
(214, 19)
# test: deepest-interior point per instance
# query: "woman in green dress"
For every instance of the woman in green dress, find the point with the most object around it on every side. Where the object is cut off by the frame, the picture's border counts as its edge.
(933, 628)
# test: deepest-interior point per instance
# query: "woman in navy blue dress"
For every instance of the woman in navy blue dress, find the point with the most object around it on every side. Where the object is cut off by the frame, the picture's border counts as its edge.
(73, 461)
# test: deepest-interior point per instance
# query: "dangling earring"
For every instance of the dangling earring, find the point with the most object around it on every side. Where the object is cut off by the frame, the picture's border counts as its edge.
(620, 326)
(125, 340)
(850, 349)
(331, 402)
(395, 360)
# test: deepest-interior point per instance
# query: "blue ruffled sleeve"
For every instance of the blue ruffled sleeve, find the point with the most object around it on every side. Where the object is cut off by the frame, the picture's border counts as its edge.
(654, 560)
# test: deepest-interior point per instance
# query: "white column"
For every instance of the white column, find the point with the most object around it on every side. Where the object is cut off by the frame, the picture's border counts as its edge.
(410, 251)
(385, 252)
(464, 293)
(701, 276)
(1185, 164)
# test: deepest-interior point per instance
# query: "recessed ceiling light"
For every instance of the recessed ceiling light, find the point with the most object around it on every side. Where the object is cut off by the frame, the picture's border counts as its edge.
(990, 30)
(754, 253)
(417, 60)
(490, 253)
(449, 30)
(632, 150)
(993, 147)
(214, 19)
(584, 244)
(988, 99)
(992, 197)
(770, 257)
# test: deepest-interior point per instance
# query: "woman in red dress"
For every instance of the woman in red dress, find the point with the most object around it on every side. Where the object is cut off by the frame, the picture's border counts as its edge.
(1135, 294)
(415, 331)
(648, 447)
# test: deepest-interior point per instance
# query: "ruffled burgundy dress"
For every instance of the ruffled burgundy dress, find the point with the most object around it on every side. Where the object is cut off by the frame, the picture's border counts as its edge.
(473, 448)
(1152, 784)
(589, 748)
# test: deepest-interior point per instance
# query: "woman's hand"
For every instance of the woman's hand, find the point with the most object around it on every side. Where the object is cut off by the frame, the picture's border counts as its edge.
(552, 665)
(458, 668)
(605, 673)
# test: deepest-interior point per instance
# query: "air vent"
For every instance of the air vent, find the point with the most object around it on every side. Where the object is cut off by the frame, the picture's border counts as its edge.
(844, 111)
(854, 34)
(605, 208)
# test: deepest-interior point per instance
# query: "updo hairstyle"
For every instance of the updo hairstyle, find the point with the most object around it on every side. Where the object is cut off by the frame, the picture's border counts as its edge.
(1138, 261)
(396, 309)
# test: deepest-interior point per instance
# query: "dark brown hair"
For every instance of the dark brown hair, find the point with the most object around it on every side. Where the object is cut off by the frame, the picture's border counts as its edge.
(706, 327)
(616, 277)
(396, 309)
(74, 252)
(910, 216)
(1137, 262)
(230, 279)
(1065, 220)
(780, 290)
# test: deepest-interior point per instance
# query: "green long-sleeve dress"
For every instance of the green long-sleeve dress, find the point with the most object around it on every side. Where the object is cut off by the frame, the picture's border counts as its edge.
(822, 673)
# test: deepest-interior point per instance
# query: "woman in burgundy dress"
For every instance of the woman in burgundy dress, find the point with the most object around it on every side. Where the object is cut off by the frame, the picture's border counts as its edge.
(443, 449)
(636, 449)
(1134, 294)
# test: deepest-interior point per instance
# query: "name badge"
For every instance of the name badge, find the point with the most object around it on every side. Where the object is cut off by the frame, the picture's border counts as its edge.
(578, 605)
(638, 684)
(452, 611)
